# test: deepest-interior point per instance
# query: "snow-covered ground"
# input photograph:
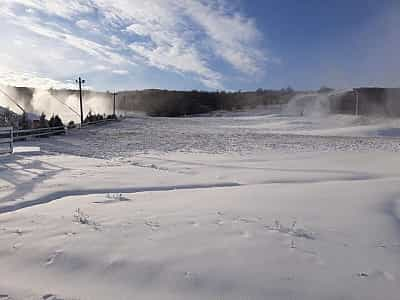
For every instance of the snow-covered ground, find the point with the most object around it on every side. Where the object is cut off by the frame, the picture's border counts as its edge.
(231, 134)
(230, 207)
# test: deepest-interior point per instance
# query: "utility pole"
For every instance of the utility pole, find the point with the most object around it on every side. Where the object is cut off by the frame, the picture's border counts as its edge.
(357, 102)
(80, 81)
(115, 96)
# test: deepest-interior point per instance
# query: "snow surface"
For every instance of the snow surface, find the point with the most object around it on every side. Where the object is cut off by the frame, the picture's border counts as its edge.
(232, 207)
(220, 135)
(21, 149)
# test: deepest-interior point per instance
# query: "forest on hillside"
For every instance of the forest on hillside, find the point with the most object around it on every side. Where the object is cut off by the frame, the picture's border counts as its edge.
(179, 103)
(165, 103)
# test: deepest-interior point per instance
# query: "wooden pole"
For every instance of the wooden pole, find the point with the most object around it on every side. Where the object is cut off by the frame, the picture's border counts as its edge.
(357, 102)
(80, 99)
(115, 95)
(80, 81)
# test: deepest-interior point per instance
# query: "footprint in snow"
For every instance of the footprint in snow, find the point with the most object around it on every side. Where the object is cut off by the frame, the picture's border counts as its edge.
(53, 257)
(377, 274)
(188, 275)
(16, 246)
(245, 234)
(248, 220)
(70, 233)
(50, 297)
(4, 297)
(153, 225)
(293, 230)
(219, 222)
(194, 223)
(362, 274)
(381, 245)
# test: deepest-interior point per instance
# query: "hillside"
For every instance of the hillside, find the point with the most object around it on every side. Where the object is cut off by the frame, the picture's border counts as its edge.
(152, 102)
(165, 103)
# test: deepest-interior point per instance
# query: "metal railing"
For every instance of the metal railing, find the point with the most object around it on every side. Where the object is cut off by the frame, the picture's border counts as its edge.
(6, 138)
(39, 132)
(8, 135)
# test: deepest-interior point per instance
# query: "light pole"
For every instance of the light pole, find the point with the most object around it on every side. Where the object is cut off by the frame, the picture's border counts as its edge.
(80, 81)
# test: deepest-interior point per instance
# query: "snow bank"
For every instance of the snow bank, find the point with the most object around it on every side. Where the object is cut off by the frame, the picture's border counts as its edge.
(20, 149)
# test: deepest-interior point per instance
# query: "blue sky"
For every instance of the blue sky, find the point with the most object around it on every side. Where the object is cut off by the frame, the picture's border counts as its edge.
(199, 44)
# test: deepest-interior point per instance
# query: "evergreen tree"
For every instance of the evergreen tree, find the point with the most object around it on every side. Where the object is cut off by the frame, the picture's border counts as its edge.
(55, 121)
(24, 122)
(43, 123)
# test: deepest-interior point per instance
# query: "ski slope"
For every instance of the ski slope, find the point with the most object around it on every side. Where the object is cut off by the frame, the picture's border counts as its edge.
(230, 134)
(229, 207)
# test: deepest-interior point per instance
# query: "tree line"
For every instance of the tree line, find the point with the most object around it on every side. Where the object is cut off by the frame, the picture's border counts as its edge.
(166, 103)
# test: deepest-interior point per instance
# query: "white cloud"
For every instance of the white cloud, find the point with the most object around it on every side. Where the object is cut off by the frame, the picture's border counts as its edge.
(115, 41)
(31, 80)
(232, 36)
(120, 72)
(86, 25)
(90, 47)
(65, 9)
(101, 68)
(185, 36)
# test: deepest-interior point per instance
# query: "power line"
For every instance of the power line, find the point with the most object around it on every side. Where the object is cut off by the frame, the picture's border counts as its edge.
(12, 100)
(59, 100)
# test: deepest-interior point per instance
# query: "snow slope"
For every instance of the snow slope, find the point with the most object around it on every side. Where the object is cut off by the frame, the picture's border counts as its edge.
(202, 208)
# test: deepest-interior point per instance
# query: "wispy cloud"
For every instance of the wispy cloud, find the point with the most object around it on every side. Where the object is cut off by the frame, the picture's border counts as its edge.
(191, 37)
(120, 72)
(31, 80)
